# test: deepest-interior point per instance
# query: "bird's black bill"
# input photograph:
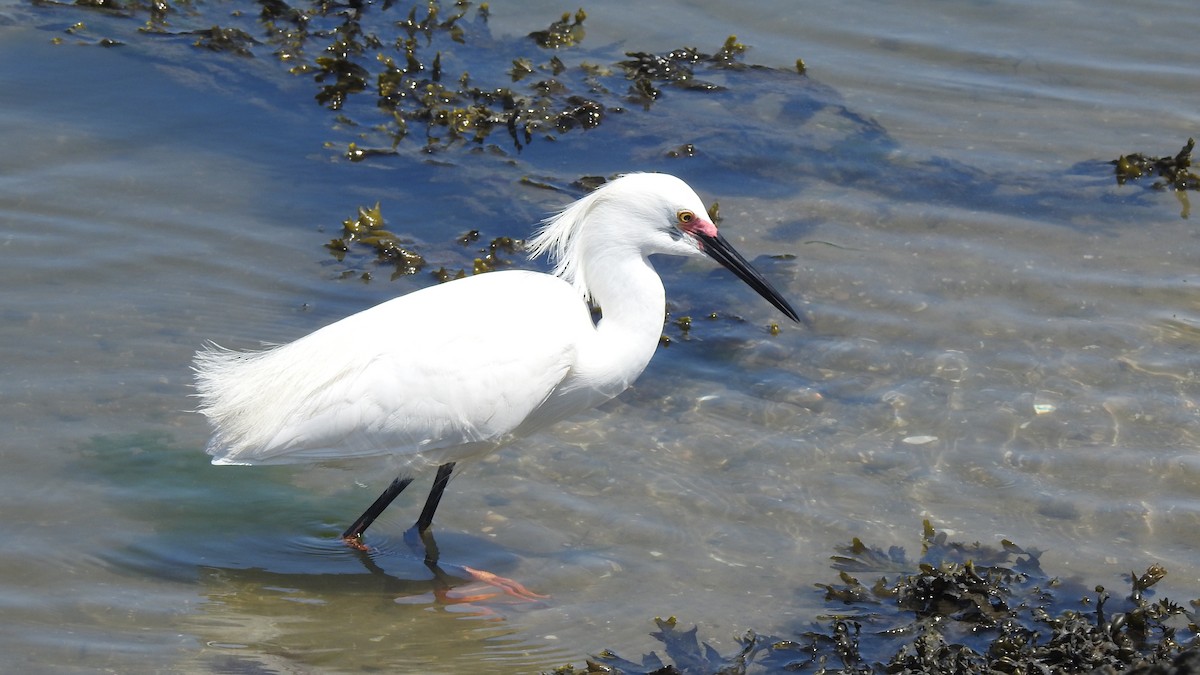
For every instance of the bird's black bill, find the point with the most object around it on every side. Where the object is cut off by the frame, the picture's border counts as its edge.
(720, 250)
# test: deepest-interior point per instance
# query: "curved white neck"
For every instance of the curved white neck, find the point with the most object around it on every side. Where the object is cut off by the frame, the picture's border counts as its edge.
(632, 304)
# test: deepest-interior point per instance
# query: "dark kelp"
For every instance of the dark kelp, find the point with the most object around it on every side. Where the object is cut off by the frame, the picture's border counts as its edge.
(1173, 172)
(436, 74)
(960, 608)
(366, 232)
(428, 79)
(366, 245)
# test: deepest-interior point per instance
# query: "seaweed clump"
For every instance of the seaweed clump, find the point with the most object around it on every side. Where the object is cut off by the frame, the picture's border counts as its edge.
(435, 74)
(1174, 171)
(365, 244)
(366, 231)
(678, 68)
(959, 609)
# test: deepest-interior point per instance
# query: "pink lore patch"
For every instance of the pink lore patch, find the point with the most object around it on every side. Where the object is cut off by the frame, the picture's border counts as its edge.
(699, 226)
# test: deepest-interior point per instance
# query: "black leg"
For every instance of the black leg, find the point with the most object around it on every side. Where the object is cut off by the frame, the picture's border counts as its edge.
(435, 496)
(355, 531)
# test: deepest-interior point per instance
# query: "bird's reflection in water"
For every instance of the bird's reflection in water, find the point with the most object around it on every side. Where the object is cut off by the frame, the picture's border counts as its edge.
(452, 582)
(398, 602)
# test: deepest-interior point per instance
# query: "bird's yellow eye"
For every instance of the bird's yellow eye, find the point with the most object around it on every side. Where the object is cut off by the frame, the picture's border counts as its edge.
(685, 217)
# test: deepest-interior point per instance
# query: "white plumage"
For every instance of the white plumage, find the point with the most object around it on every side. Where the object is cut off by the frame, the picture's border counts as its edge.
(456, 368)
(452, 371)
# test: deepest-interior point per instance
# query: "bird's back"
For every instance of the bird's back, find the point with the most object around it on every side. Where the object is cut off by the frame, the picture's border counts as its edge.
(436, 375)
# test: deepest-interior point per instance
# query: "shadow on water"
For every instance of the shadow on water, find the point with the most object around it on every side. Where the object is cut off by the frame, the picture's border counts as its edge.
(264, 595)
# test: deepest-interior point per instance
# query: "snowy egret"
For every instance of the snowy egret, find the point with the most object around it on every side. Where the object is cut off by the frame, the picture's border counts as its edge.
(454, 371)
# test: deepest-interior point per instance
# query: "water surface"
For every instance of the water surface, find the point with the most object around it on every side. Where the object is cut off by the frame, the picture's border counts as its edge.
(1003, 340)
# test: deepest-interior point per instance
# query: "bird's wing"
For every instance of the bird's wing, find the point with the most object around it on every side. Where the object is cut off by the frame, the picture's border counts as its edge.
(457, 366)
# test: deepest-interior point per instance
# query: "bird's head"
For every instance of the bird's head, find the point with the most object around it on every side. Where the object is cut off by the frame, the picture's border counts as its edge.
(648, 213)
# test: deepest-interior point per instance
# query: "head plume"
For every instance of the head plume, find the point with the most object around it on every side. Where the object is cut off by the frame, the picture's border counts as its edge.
(637, 213)
(559, 238)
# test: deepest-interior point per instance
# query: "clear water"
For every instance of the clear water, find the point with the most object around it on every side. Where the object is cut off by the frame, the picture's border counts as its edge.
(1003, 340)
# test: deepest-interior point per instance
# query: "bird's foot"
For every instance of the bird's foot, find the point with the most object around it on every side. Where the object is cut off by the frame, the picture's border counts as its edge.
(509, 586)
(355, 543)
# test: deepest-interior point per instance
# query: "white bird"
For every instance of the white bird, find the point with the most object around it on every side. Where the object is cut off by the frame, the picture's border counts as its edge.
(458, 370)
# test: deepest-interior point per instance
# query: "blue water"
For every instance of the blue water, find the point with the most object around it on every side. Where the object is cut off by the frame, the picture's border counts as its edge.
(1003, 340)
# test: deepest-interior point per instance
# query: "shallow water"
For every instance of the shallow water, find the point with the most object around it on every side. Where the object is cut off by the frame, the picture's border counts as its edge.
(1003, 340)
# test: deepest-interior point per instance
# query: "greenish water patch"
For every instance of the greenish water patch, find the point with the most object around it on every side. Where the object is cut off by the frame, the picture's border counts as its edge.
(205, 519)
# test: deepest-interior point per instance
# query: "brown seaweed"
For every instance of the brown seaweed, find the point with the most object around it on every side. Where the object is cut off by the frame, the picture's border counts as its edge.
(959, 608)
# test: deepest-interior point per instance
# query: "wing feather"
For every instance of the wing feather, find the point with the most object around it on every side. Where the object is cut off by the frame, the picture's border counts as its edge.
(455, 368)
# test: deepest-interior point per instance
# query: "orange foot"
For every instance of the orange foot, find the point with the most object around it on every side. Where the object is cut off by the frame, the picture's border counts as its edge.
(355, 543)
(509, 586)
